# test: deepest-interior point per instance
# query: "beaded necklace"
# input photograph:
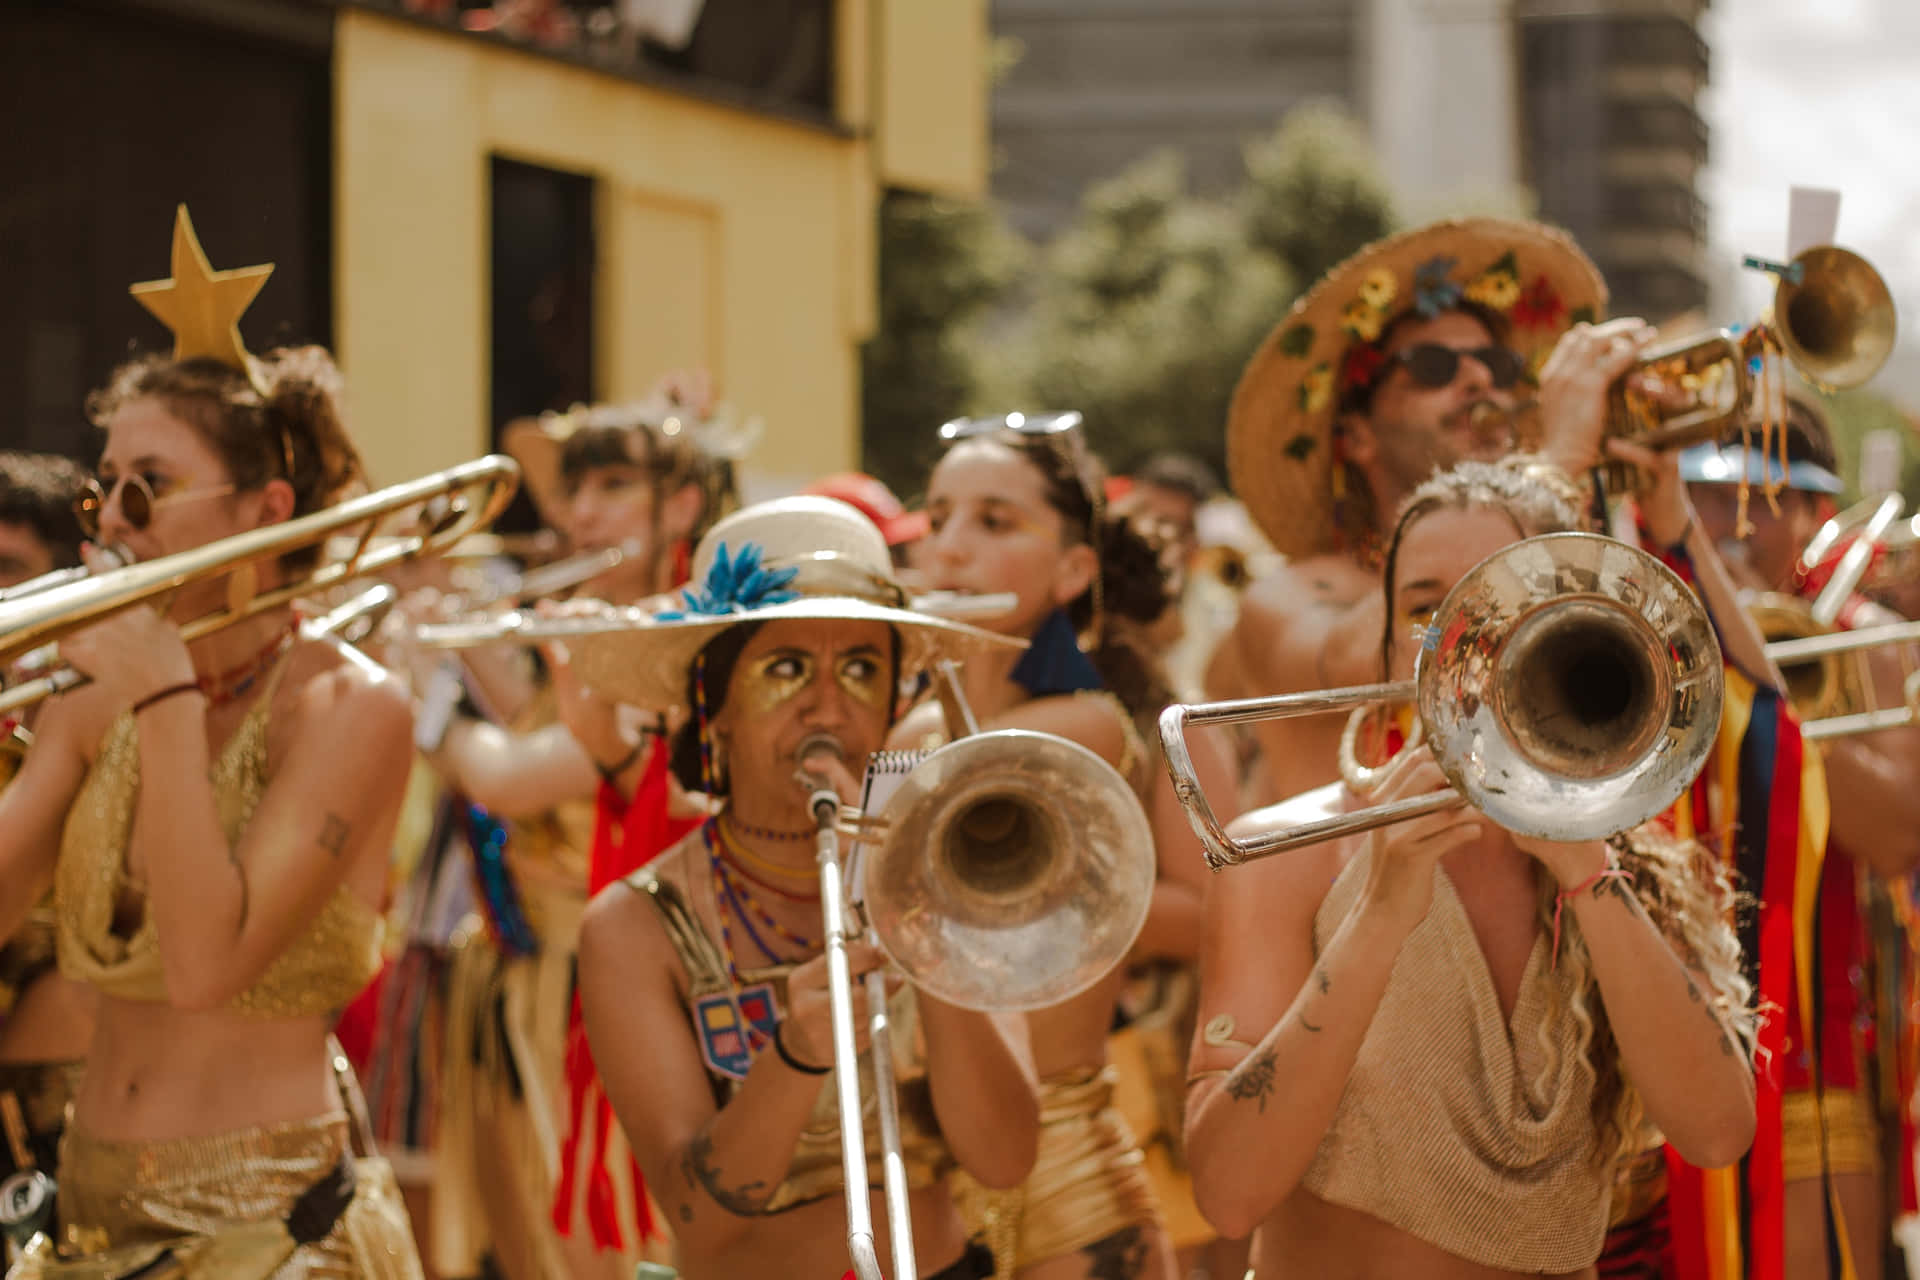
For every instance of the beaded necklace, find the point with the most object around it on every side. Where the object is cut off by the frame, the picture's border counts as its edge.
(222, 687)
(744, 857)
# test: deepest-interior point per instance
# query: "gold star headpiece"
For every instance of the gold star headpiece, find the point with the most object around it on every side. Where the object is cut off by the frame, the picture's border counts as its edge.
(203, 306)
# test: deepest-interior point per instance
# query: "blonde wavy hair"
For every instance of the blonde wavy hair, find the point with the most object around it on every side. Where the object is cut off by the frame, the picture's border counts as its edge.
(1685, 891)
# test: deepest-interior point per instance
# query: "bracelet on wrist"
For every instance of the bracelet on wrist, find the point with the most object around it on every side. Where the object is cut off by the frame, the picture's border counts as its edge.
(786, 1055)
(612, 772)
(161, 695)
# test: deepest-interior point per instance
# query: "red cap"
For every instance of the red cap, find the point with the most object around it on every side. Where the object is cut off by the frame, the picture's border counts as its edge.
(874, 501)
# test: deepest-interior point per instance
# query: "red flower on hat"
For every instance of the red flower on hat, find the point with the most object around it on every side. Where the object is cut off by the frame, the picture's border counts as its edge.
(1540, 306)
(1361, 366)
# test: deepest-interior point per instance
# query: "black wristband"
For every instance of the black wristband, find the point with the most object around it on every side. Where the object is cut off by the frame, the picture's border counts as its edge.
(780, 1047)
(612, 772)
(161, 695)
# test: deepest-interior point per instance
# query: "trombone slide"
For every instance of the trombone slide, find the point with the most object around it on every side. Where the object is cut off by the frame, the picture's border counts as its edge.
(1222, 850)
(838, 921)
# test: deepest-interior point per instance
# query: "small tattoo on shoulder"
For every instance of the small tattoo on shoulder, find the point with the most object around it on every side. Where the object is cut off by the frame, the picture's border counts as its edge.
(333, 834)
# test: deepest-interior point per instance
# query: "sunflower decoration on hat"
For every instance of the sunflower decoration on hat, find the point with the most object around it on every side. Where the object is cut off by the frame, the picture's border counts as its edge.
(1282, 446)
(802, 557)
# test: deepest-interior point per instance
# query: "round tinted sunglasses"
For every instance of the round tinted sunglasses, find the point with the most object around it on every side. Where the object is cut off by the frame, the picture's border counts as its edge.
(137, 501)
(1432, 365)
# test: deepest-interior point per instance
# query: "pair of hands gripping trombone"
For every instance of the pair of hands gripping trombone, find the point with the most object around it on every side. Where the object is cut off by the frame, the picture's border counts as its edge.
(1403, 856)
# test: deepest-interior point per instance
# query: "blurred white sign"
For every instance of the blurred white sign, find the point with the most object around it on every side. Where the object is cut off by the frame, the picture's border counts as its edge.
(1879, 461)
(1813, 217)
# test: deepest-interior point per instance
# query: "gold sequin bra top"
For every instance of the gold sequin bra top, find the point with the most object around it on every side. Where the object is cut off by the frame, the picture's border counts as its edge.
(815, 1170)
(320, 973)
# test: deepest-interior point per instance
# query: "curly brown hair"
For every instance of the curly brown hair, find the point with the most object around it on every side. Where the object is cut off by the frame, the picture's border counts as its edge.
(290, 426)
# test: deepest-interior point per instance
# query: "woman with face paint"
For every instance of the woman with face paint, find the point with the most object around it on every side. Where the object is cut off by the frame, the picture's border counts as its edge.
(1017, 505)
(539, 798)
(702, 976)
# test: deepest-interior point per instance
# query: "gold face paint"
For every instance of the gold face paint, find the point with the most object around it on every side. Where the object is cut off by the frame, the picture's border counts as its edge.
(778, 677)
(864, 677)
(773, 679)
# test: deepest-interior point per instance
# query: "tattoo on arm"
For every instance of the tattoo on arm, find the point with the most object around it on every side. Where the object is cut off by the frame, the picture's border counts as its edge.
(333, 834)
(1321, 980)
(1719, 1027)
(697, 1167)
(1253, 1079)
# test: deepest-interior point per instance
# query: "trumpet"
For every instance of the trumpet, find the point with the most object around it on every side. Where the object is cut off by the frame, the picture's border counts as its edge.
(438, 509)
(1833, 317)
(525, 627)
(1009, 871)
(1569, 685)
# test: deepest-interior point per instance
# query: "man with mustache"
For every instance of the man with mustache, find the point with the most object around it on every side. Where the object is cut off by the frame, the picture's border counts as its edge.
(1407, 358)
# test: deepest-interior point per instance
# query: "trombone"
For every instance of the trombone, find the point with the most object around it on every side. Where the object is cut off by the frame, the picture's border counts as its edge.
(1569, 685)
(1007, 872)
(437, 510)
(1828, 682)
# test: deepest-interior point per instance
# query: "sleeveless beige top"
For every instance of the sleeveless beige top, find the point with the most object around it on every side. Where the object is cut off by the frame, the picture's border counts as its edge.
(1477, 1141)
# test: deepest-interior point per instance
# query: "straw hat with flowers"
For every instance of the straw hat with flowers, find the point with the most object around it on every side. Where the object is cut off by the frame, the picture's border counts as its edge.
(800, 557)
(1280, 429)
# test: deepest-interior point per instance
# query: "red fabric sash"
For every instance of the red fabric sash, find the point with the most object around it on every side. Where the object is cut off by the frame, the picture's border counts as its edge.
(627, 834)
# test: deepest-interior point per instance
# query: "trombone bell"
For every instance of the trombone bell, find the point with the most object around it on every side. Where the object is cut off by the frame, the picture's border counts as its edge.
(1013, 872)
(1570, 687)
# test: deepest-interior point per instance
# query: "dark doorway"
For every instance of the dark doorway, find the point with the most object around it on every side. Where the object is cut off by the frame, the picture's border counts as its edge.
(134, 112)
(542, 300)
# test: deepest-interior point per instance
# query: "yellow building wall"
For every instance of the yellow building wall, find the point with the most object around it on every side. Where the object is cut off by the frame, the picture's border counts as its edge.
(727, 239)
(930, 118)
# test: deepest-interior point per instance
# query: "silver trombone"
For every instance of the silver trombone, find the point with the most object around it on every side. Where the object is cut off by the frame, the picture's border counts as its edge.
(1823, 648)
(1569, 685)
(1008, 872)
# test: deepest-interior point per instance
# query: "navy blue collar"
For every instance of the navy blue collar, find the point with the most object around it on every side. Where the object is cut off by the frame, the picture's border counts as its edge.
(1054, 662)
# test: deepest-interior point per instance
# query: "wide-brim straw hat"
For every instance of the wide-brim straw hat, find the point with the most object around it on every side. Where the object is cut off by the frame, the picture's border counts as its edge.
(1280, 452)
(840, 570)
(538, 444)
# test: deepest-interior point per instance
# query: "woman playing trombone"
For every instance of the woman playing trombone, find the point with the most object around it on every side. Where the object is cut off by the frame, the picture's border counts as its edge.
(215, 818)
(1424, 1049)
(702, 977)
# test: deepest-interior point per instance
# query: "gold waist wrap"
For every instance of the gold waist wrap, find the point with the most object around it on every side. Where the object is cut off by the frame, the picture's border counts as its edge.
(117, 1194)
(1852, 1137)
(1088, 1181)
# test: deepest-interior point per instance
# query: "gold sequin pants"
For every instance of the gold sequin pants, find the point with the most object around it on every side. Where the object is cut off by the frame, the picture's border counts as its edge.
(123, 1193)
(1088, 1181)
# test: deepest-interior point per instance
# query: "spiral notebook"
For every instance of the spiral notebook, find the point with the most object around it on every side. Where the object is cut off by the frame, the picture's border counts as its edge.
(885, 772)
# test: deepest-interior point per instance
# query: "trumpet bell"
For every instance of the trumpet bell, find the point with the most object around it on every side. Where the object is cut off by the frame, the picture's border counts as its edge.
(1838, 324)
(1013, 873)
(1573, 688)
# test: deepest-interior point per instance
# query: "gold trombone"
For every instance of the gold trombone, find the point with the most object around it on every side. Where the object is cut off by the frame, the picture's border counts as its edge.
(1008, 871)
(1569, 685)
(436, 512)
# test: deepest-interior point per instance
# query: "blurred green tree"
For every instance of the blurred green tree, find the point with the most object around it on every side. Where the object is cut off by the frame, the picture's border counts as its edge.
(1140, 313)
(1148, 305)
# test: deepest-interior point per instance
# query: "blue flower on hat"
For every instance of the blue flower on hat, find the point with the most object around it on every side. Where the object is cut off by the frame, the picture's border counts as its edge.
(735, 585)
(1432, 291)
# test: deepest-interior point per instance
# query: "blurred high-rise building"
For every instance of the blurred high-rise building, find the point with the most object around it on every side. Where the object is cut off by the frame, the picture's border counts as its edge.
(1589, 105)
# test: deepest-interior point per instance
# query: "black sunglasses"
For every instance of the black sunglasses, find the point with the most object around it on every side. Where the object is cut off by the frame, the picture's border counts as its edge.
(1026, 424)
(1432, 365)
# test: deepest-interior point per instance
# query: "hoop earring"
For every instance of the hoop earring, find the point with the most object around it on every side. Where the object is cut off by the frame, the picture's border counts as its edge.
(1360, 778)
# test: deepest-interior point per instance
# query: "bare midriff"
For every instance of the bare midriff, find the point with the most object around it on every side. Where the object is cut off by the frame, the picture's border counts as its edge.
(1307, 1236)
